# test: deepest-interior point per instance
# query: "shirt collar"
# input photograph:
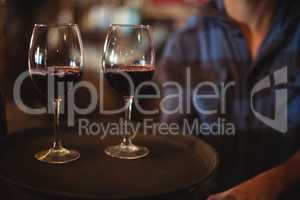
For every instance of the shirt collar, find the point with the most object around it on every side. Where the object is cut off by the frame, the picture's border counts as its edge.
(216, 8)
(285, 14)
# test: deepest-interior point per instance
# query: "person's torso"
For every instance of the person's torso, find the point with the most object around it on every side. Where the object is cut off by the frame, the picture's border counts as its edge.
(265, 90)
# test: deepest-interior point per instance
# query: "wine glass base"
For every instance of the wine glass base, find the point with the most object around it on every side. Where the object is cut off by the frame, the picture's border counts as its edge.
(129, 152)
(59, 156)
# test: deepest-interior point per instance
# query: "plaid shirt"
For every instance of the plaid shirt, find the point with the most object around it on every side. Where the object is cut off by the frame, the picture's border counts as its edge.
(216, 50)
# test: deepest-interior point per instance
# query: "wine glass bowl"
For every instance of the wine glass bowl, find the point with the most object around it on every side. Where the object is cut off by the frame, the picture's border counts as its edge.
(128, 61)
(55, 62)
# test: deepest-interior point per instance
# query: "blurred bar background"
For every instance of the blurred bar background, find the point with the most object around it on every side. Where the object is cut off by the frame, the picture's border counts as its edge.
(94, 16)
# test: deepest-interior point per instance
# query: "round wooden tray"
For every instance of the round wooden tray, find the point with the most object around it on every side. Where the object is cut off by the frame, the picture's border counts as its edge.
(175, 163)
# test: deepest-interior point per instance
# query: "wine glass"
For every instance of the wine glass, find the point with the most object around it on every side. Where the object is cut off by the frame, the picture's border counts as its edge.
(128, 61)
(55, 61)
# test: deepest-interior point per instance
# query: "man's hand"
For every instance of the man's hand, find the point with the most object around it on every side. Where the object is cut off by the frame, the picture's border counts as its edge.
(266, 186)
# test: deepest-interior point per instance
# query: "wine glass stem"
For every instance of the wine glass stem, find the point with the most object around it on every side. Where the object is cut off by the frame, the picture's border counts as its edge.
(128, 102)
(57, 136)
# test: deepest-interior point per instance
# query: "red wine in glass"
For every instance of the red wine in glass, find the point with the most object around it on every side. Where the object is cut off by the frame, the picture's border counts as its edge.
(55, 78)
(128, 61)
(138, 74)
(55, 62)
